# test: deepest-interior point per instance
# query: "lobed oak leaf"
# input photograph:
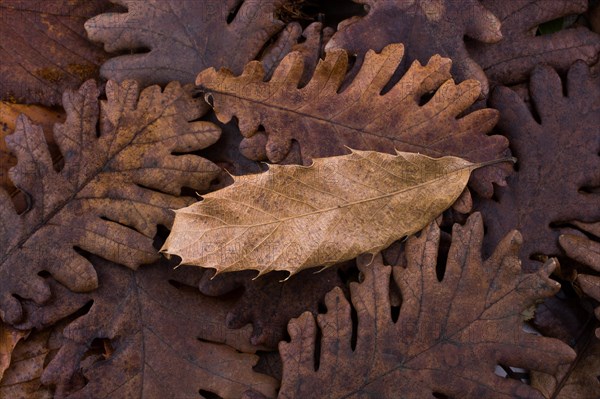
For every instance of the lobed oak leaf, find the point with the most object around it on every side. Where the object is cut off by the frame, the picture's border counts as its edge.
(9, 337)
(426, 27)
(512, 59)
(323, 121)
(269, 303)
(558, 161)
(450, 334)
(119, 181)
(44, 49)
(187, 36)
(295, 217)
(161, 339)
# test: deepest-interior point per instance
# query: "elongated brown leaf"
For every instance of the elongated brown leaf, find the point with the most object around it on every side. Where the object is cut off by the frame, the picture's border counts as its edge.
(451, 332)
(119, 181)
(323, 119)
(295, 217)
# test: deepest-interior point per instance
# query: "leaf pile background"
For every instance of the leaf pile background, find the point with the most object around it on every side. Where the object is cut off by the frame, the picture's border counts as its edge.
(116, 113)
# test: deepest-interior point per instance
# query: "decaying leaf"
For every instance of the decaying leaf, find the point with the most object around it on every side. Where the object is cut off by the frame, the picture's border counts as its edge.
(22, 378)
(184, 37)
(41, 116)
(162, 340)
(558, 161)
(426, 27)
(324, 121)
(119, 181)
(44, 49)
(512, 59)
(448, 338)
(296, 217)
(9, 337)
(269, 303)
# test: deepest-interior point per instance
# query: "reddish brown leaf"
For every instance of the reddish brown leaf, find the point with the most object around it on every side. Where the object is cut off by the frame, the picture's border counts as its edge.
(426, 28)
(44, 49)
(512, 59)
(269, 303)
(162, 339)
(558, 161)
(9, 337)
(118, 182)
(325, 122)
(22, 379)
(450, 334)
(186, 36)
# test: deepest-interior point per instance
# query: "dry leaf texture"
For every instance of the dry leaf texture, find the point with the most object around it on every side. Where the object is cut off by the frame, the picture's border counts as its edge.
(186, 36)
(323, 120)
(118, 182)
(44, 49)
(449, 335)
(295, 217)
(512, 59)
(165, 339)
(427, 27)
(558, 161)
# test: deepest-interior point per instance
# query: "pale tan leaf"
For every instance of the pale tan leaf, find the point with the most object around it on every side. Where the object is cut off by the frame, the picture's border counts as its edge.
(295, 217)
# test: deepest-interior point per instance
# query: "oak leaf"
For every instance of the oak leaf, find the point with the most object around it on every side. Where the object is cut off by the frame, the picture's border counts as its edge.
(183, 37)
(118, 182)
(161, 339)
(512, 59)
(450, 334)
(558, 161)
(9, 337)
(44, 49)
(295, 217)
(269, 303)
(426, 27)
(324, 122)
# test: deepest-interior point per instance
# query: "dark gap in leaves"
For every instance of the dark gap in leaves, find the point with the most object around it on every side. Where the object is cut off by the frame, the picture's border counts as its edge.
(321, 308)
(442, 259)
(317, 356)
(82, 311)
(348, 275)
(395, 313)
(535, 114)
(354, 317)
(44, 274)
(234, 11)
(439, 395)
(184, 287)
(425, 98)
(162, 232)
(209, 394)
(332, 12)
(101, 347)
(538, 257)
(589, 190)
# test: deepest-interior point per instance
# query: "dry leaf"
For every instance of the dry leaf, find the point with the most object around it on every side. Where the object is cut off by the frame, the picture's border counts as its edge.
(184, 37)
(118, 182)
(426, 27)
(161, 339)
(42, 116)
(512, 59)
(449, 336)
(9, 337)
(269, 303)
(44, 49)
(324, 121)
(296, 217)
(22, 379)
(558, 163)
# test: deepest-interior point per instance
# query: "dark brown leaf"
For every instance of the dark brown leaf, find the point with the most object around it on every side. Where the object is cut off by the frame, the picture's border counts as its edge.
(558, 162)
(450, 334)
(269, 303)
(186, 36)
(324, 122)
(162, 339)
(426, 28)
(119, 181)
(512, 59)
(44, 49)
